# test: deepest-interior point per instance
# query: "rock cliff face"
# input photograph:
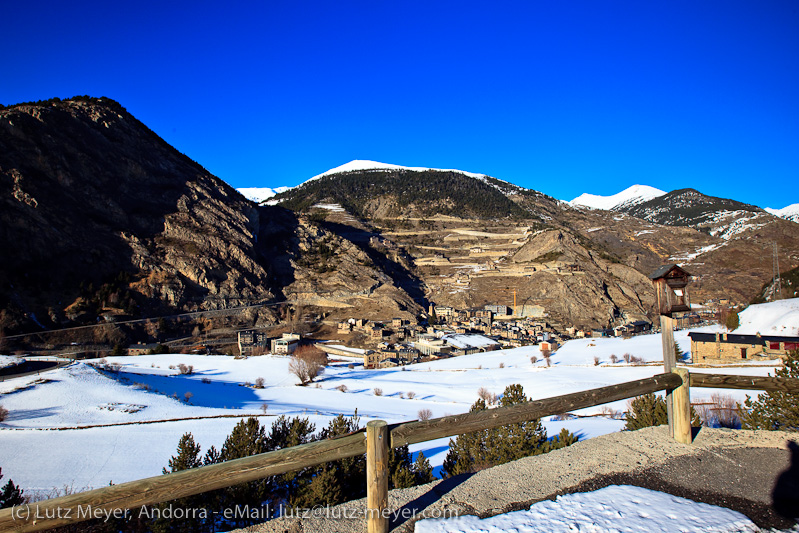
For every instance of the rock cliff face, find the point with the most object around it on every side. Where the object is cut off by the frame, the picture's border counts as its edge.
(88, 192)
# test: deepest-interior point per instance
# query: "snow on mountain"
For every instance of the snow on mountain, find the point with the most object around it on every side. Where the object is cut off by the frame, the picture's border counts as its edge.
(630, 196)
(259, 194)
(789, 213)
(772, 318)
(362, 164)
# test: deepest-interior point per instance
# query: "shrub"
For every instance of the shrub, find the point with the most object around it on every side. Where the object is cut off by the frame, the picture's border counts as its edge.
(774, 410)
(475, 451)
(614, 358)
(264, 407)
(3, 413)
(411, 395)
(721, 411)
(188, 395)
(342, 388)
(424, 414)
(205, 380)
(378, 391)
(533, 359)
(488, 397)
(626, 357)
(259, 383)
(596, 360)
(502, 365)
(186, 369)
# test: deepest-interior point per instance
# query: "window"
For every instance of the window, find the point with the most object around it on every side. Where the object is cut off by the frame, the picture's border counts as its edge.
(743, 353)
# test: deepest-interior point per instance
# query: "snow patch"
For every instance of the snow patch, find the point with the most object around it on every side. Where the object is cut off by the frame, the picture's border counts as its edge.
(620, 508)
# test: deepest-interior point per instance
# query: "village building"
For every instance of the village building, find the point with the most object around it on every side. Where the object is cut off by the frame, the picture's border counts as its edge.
(729, 347)
(141, 349)
(286, 344)
(251, 342)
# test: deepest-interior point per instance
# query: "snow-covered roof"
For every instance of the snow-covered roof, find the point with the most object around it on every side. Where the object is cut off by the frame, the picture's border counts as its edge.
(772, 318)
(468, 341)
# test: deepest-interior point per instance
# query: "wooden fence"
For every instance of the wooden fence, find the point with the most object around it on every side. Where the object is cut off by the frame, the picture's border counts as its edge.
(375, 441)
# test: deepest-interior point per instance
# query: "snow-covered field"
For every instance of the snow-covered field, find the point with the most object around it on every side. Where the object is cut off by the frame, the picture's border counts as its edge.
(79, 427)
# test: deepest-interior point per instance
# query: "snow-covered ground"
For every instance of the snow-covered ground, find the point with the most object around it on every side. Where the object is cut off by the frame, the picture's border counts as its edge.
(772, 318)
(616, 508)
(80, 427)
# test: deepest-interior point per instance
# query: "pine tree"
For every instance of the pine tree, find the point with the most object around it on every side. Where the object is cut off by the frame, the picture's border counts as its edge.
(774, 410)
(400, 468)
(336, 481)
(422, 471)
(482, 449)
(10, 494)
(199, 512)
(286, 433)
(650, 410)
(678, 353)
(247, 438)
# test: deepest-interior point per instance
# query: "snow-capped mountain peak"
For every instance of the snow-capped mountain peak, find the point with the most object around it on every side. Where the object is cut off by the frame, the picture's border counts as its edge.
(363, 164)
(630, 196)
(789, 213)
(261, 194)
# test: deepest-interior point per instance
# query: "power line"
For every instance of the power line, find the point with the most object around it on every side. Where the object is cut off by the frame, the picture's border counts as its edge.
(214, 312)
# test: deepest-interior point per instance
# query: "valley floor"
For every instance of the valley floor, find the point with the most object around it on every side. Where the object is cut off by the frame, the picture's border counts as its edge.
(81, 427)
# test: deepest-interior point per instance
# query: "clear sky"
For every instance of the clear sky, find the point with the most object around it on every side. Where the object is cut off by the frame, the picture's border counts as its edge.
(564, 97)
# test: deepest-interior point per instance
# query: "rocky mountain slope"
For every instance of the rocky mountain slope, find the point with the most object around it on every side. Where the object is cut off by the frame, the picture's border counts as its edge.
(102, 217)
(595, 273)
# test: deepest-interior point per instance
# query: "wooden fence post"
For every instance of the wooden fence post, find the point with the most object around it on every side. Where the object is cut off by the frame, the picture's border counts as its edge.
(681, 397)
(377, 451)
(669, 362)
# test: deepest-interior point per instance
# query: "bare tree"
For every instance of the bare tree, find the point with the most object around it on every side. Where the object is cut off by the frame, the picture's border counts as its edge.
(425, 414)
(378, 391)
(307, 363)
(259, 383)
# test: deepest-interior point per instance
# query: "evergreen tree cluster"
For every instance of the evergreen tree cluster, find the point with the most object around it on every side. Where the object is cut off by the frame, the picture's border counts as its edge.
(326, 484)
(774, 410)
(431, 191)
(478, 450)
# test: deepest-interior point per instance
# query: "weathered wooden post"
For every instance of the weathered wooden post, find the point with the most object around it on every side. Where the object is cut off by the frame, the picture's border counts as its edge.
(671, 290)
(377, 450)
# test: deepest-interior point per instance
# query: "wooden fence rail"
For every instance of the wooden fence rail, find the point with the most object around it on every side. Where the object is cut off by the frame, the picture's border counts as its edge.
(730, 381)
(83, 506)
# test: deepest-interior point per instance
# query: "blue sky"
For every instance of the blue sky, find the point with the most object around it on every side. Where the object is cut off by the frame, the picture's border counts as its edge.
(562, 97)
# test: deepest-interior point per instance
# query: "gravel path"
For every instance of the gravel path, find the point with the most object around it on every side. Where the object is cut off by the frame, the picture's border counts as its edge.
(753, 472)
